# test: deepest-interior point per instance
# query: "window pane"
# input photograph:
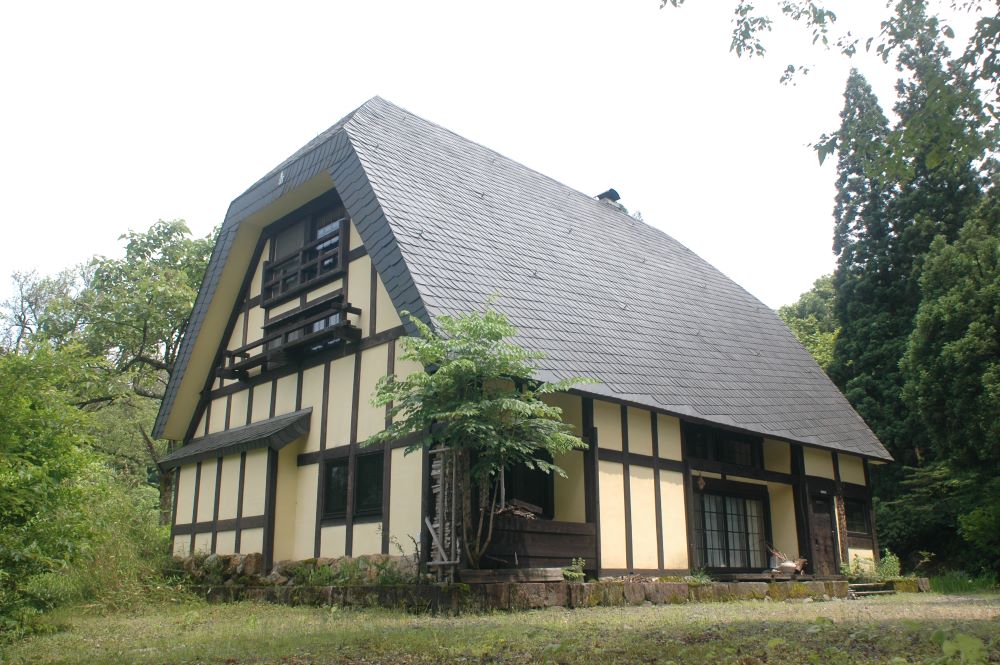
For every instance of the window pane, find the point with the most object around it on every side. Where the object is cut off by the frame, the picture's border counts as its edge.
(368, 486)
(736, 531)
(288, 240)
(736, 452)
(856, 512)
(335, 501)
(755, 535)
(729, 532)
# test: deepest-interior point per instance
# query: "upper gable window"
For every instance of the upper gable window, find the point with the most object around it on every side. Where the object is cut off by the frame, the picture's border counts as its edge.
(305, 253)
(717, 445)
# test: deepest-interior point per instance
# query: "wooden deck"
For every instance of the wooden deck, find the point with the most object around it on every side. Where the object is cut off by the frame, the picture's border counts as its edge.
(524, 543)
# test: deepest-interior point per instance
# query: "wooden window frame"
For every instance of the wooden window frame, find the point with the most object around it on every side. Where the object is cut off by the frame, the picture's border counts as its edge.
(359, 516)
(864, 506)
(716, 439)
(730, 489)
(272, 293)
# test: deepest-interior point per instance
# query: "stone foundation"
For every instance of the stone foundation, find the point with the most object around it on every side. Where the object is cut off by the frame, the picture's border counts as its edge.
(523, 596)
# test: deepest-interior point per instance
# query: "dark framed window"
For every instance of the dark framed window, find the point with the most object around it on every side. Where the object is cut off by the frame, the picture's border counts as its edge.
(729, 531)
(856, 514)
(367, 487)
(305, 253)
(335, 496)
(716, 445)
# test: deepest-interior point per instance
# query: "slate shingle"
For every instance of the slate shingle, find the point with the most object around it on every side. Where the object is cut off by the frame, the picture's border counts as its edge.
(449, 222)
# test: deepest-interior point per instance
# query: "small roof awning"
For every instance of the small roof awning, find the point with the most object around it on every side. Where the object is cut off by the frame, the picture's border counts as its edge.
(274, 433)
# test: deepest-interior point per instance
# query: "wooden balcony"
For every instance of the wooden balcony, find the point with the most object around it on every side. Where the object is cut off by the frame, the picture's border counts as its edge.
(538, 543)
(293, 334)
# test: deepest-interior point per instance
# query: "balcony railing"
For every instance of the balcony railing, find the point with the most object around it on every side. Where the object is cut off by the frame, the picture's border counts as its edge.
(312, 328)
(305, 268)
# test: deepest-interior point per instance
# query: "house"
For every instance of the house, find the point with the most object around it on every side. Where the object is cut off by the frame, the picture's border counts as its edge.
(712, 433)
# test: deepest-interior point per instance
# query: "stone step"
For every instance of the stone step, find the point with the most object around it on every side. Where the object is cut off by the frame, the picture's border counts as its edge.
(862, 594)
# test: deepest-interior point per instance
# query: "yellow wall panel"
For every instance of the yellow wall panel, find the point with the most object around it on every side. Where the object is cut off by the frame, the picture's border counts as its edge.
(818, 462)
(405, 490)
(185, 493)
(255, 327)
(371, 419)
(261, 402)
(386, 316)
(674, 519)
(238, 409)
(206, 493)
(277, 310)
(326, 289)
(865, 557)
(777, 456)
(236, 337)
(333, 540)
(354, 236)
(570, 499)
(285, 400)
(255, 483)
(572, 409)
(305, 512)
(230, 485)
(608, 422)
(251, 540)
(338, 426)
(640, 432)
(182, 546)
(203, 543)
(405, 367)
(612, 487)
(643, 494)
(312, 396)
(258, 277)
(783, 527)
(359, 279)
(852, 469)
(225, 542)
(668, 429)
(217, 417)
(367, 539)
(286, 500)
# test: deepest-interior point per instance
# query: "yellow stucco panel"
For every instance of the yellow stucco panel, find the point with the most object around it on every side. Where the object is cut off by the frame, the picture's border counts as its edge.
(287, 387)
(238, 409)
(359, 282)
(777, 456)
(643, 494)
(277, 310)
(572, 409)
(229, 487)
(852, 469)
(261, 402)
(203, 543)
(255, 327)
(251, 540)
(307, 479)
(608, 422)
(674, 520)
(258, 275)
(640, 432)
(286, 501)
(181, 546)
(783, 526)
(254, 483)
(217, 416)
(668, 431)
(367, 539)
(312, 396)
(225, 542)
(338, 427)
(236, 337)
(386, 316)
(612, 499)
(818, 462)
(570, 501)
(206, 491)
(333, 540)
(862, 557)
(371, 419)
(185, 494)
(324, 290)
(405, 491)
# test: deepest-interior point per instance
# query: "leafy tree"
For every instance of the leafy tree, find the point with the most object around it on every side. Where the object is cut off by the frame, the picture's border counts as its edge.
(952, 363)
(813, 320)
(478, 399)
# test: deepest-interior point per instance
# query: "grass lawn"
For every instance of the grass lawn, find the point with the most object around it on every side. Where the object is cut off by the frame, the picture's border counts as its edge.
(908, 628)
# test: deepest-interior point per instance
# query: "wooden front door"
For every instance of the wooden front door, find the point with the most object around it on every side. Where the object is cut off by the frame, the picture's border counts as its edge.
(824, 541)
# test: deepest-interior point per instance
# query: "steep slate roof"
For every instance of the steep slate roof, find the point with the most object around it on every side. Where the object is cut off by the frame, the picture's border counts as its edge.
(448, 222)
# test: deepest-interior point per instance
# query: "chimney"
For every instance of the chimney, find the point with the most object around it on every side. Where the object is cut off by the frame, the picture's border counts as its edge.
(611, 197)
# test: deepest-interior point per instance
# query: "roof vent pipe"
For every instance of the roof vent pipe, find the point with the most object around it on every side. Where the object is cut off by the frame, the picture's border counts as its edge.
(611, 197)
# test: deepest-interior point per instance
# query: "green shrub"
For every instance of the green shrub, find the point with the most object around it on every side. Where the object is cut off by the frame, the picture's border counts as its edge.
(888, 566)
(574, 571)
(958, 581)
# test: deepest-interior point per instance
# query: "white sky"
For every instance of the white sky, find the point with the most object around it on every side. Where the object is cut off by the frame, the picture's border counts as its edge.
(115, 115)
